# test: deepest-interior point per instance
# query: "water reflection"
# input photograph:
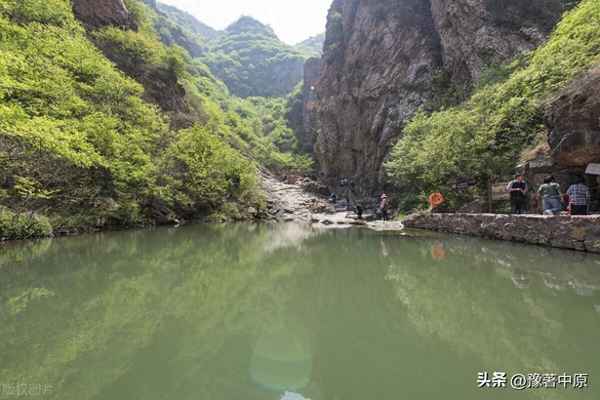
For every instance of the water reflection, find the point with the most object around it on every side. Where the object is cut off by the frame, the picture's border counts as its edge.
(282, 359)
(269, 312)
(289, 236)
(438, 252)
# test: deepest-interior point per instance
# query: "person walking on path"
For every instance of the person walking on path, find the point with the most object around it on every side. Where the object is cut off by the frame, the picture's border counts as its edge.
(551, 196)
(579, 197)
(518, 195)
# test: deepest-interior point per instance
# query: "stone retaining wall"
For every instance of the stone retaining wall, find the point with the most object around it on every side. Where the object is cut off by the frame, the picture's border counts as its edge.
(576, 233)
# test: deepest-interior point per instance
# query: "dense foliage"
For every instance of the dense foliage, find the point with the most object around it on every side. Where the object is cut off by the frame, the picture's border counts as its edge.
(484, 137)
(252, 61)
(81, 142)
(23, 226)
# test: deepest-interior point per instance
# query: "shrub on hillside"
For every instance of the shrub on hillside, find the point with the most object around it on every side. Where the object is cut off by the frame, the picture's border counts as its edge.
(14, 226)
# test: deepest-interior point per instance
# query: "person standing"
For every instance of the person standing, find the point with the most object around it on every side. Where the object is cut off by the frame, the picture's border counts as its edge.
(383, 207)
(579, 197)
(551, 196)
(518, 195)
(359, 211)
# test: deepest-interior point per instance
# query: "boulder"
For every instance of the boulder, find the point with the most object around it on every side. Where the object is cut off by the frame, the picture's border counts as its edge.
(101, 13)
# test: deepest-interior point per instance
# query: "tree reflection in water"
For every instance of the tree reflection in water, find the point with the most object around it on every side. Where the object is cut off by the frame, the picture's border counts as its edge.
(243, 311)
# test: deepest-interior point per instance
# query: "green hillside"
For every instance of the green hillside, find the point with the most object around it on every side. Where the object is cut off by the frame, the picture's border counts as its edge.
(312, 47)
(187, 21)
(82, 144)
(252, 61)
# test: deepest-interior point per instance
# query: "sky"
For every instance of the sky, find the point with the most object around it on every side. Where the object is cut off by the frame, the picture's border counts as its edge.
(293, 21)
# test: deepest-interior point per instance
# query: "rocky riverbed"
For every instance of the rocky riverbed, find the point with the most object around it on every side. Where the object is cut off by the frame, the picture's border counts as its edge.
(293, 203)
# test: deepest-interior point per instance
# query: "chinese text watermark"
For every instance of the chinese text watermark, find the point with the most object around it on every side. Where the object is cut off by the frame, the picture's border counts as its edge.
(12, 390)
(502, 380)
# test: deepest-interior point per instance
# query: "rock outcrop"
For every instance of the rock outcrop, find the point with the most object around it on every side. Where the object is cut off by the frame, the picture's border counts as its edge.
(573, 120)
(476, 34)
(100, 13)
(383, 60)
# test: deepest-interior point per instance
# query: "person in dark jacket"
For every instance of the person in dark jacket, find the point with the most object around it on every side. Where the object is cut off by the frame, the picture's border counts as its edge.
(518, 195)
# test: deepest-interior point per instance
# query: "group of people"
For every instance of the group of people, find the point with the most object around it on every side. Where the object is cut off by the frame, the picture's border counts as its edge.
(347, 186)
(576, 200)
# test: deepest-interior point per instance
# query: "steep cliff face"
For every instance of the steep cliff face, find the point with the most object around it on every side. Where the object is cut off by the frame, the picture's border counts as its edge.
(302, 117)
(379, 62)
(100, 13)
(573, 120)
(312, 70)
(383, 60)
(479, 33)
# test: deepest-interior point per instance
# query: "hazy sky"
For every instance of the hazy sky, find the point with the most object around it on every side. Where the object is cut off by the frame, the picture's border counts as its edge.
(293, 21)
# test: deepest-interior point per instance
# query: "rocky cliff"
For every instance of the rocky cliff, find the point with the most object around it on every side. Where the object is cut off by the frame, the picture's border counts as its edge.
(100, 13)
(383, 60)
(573, 120)
(302, 117)
(475, 34)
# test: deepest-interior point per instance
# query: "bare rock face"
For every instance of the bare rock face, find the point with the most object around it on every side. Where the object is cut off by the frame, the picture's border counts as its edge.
(100, 13)
(573, 120)
(479, 33)
(378, 64)
(312, 70)
(383, 59)
(302, 116)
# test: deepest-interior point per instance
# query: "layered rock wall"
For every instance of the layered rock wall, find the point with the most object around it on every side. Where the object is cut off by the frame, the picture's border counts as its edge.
(574, 233)
(383, 61)
(476, 34)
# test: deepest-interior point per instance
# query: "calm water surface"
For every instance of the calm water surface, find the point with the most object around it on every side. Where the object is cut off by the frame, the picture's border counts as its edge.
(249, 312)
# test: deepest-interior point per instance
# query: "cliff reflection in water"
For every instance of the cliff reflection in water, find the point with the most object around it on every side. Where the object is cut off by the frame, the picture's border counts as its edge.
(243, 311)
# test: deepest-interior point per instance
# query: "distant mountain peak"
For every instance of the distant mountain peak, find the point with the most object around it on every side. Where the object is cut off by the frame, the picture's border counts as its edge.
(247, 24)
(184, 19)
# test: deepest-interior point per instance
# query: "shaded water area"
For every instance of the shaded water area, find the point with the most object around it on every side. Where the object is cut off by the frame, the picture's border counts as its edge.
(250, 312)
